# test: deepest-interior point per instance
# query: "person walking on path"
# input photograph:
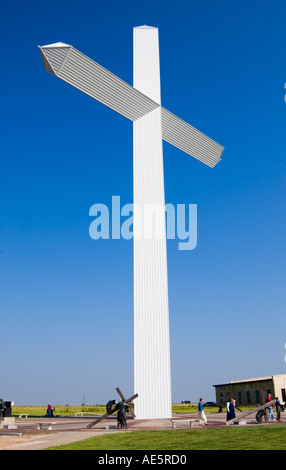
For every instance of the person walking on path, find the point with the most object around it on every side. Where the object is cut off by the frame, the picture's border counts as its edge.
(202, 416)
(278, 409)
(49, 411)
(230, 409)
(270, 408)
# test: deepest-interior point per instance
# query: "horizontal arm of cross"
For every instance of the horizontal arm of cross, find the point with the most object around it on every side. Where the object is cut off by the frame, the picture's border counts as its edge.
(129, 400)
(78, 70)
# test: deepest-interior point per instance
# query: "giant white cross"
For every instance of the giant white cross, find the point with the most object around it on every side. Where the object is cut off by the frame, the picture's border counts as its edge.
(151, 123)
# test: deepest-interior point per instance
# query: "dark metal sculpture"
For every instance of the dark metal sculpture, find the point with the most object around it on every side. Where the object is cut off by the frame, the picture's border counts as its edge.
(121, 414)
(109, 405)
(260, 414)
(122, 408)
(246, 413)
(2, 407)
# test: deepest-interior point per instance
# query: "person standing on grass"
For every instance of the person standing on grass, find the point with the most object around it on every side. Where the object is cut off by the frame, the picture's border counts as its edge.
(202, 416)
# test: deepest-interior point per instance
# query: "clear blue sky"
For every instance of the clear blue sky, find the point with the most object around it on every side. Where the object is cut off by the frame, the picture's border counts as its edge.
(67, 300)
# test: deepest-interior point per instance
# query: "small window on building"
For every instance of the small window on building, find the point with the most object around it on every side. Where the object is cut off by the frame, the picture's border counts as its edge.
(283, 394)
(257, 397)
(248, 397)
(239, 398)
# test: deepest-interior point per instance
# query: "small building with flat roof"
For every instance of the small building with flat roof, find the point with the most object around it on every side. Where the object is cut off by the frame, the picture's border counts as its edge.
(252, 391)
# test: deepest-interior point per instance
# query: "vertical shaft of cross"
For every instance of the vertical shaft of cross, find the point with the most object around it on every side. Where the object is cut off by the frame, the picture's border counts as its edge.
(152, 371)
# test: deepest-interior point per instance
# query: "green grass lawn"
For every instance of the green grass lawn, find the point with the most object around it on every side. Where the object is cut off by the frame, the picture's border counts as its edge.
(248, 438)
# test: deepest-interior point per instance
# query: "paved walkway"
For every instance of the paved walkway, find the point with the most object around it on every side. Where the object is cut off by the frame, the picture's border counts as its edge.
(67, 430)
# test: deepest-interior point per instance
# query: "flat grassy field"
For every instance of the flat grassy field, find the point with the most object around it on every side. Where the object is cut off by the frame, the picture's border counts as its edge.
(70, 410)
(65, 411)
(248, 438)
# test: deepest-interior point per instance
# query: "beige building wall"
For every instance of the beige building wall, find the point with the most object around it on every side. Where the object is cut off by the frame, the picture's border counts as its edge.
(248, 392)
